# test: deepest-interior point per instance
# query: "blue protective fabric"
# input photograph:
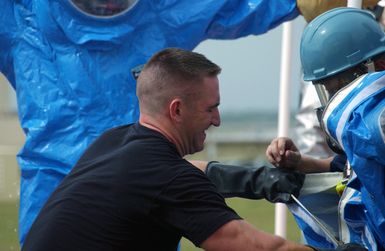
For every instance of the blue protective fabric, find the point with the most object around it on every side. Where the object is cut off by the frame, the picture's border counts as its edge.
(354, 221)
(319, 196)
(356, 120)
(71, 72)
(324, 207)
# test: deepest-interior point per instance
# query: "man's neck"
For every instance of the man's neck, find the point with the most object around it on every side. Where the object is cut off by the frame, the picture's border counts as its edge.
(163, 127)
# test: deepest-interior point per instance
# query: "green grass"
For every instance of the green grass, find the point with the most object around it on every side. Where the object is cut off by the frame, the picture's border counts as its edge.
(8, 226)
(260, 213)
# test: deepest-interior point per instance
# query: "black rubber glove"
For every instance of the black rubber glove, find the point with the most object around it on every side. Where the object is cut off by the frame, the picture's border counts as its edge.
(255, 182)
(344, 247)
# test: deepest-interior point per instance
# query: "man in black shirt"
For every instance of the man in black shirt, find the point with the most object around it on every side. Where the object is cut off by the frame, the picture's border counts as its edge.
(133, 190)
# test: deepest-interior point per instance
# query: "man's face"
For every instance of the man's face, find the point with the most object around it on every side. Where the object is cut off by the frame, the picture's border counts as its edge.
(327, 88)
(201, 114)
(333, 85)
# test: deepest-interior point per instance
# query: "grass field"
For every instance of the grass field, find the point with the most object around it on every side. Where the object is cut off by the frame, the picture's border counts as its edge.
(259, 213)
(8, 226)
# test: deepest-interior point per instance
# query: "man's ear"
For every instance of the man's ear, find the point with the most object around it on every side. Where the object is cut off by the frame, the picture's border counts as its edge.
(175, 109)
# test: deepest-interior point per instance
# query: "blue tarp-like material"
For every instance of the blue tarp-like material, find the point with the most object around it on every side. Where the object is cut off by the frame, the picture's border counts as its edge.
(355, 117)
(71, 72)
(318, 195)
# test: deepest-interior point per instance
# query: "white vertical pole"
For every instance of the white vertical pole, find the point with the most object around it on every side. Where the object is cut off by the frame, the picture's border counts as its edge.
(355, 3)
(284, 112)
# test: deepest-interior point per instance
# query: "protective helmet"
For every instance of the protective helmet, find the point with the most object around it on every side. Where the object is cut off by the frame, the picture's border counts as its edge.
(337, 40)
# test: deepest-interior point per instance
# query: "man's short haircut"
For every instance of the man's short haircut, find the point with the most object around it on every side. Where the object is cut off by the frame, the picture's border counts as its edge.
(172, 72)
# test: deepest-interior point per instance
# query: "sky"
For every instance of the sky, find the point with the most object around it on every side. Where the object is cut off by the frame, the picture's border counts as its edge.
(250, 75)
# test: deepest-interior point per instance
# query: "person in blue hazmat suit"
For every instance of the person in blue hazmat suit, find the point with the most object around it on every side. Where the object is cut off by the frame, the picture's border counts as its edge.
(70, 63)
(343, 54)
(309, 137)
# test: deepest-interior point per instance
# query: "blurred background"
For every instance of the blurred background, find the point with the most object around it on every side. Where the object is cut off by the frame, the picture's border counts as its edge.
(249, 85)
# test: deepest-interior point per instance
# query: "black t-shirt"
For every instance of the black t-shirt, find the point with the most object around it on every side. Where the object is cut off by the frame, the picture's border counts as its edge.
(129, 191)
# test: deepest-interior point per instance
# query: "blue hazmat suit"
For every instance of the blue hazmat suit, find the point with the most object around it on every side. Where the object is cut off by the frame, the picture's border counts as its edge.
(319, 197)
(71, 71)
(355, 117)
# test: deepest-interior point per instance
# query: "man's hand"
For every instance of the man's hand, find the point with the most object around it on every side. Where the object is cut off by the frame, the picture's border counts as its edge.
(282, 152)
(256, 182)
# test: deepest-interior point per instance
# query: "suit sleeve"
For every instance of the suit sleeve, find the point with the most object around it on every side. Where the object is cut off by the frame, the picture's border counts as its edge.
(8, 30)
(236, 19)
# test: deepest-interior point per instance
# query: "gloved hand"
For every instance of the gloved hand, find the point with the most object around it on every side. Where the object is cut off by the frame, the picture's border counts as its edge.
(344, 247)
(312, 8)
(273, 184)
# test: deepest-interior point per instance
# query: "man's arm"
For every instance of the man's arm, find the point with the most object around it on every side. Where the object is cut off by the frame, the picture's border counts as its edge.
(253, 182)
(239, 235)
(202, 165)
(282, 152)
